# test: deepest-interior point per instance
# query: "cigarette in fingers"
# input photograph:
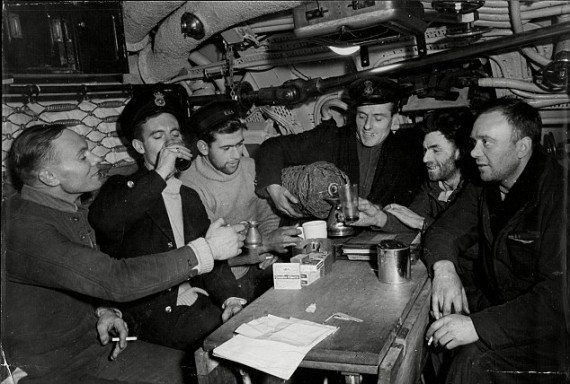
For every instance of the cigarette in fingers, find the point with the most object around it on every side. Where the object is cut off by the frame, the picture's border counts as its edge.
(430, 341)
(128, 338)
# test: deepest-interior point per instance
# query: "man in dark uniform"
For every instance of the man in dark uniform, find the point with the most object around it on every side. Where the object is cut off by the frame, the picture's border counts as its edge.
(386, 164)
(151, 211)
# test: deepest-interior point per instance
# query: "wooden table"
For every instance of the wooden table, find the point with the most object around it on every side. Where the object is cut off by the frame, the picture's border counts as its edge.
(388, 342)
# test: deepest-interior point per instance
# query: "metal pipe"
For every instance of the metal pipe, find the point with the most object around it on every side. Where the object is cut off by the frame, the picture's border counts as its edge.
(23, 92)
(515, 16)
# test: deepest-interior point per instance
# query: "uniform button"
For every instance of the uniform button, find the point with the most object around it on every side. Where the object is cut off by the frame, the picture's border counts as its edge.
(170, 244)
(168, 309)
(76, 219)
(130, 184)
(169, 289)
(83, 237)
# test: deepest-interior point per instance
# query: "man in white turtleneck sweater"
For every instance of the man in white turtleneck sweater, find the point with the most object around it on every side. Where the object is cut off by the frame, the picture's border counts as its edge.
(225, 181)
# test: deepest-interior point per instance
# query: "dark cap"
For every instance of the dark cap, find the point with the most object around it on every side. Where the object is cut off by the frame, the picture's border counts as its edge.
(213, 114)
(374, 90)
(152, 102)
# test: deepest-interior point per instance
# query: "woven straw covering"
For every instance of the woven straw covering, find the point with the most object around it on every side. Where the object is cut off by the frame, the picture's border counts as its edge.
(310, 183)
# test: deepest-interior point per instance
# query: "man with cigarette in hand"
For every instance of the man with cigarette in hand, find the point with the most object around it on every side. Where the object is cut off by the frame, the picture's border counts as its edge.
(150, 211)
(511, 326)
(57, 285)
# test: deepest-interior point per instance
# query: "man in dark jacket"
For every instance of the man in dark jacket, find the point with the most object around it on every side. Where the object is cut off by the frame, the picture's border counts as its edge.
(152, 212)
(446, 158)
(54, 277)
(511, 327)
(386, 165)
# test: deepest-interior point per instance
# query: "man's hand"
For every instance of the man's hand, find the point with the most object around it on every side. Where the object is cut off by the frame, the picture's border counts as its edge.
(283, 199)
(166, 160)
(452, 331)
(405, 215)
(279, 239)
(225, 241)
(231, 306)
(369, 214)
(447, 294)
(111, 323)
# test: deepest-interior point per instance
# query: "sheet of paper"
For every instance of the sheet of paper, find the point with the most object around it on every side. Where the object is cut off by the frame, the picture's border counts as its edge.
(273, 344)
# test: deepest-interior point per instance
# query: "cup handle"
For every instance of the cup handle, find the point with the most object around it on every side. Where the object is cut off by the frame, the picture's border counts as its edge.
(302, 234)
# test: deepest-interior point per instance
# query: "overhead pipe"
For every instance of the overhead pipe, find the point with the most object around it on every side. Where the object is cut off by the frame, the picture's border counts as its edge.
(493, 82)
(297, 91)
(515, 16)
(529, 15)
(26, 92)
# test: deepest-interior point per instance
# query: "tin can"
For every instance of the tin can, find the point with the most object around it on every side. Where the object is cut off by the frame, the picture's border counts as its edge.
(394, 262)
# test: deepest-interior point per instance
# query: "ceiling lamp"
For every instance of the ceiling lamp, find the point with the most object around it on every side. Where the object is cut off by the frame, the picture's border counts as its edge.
(345, 51)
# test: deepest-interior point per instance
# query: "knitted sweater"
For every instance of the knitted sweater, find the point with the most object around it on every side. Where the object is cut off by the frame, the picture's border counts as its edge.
(231, 197)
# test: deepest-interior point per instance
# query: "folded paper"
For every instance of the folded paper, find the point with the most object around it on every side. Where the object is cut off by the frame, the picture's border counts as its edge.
(273, 344)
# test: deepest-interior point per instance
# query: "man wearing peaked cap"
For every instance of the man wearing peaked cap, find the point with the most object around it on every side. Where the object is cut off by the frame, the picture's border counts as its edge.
(212, 114)
(225, 181)
(146, 104)
(151, 211)
(384, 162)
(374, 90)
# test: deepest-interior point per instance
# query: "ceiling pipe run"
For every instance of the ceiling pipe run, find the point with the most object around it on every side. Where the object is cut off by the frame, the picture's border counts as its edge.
(297, 91)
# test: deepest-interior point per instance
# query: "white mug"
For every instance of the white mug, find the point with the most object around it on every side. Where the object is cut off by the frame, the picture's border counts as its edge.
(316, 229)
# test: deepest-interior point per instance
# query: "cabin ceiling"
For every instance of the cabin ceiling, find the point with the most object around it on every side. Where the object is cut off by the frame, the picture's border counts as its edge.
(211, 47)
(278, 55)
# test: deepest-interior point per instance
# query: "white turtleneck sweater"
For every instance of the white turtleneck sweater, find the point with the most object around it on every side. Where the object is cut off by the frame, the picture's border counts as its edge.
(231, 197)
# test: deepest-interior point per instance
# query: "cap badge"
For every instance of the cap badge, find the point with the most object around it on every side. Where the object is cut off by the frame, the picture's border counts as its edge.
(368, 88)
(159, 99)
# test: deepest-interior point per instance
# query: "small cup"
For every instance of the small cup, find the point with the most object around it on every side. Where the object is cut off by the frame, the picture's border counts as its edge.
(348, 194)
(316, 229)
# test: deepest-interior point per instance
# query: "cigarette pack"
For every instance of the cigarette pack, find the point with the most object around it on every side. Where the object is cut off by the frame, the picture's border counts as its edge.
(311, 265)
(287, 276)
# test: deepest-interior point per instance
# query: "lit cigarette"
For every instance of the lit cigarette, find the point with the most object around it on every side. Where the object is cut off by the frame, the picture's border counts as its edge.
(430, 341)
(128, 338)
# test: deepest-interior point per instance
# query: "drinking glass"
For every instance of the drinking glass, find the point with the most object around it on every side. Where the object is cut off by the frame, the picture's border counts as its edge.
(348, 194)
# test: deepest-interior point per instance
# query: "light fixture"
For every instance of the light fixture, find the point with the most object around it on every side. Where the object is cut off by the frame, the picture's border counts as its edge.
(345, 51)
(191, 26)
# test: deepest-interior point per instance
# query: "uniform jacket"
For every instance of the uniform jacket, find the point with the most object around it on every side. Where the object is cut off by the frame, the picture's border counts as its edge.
(130, 218)
(521, 266)
(53, 278)
(399, 172)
